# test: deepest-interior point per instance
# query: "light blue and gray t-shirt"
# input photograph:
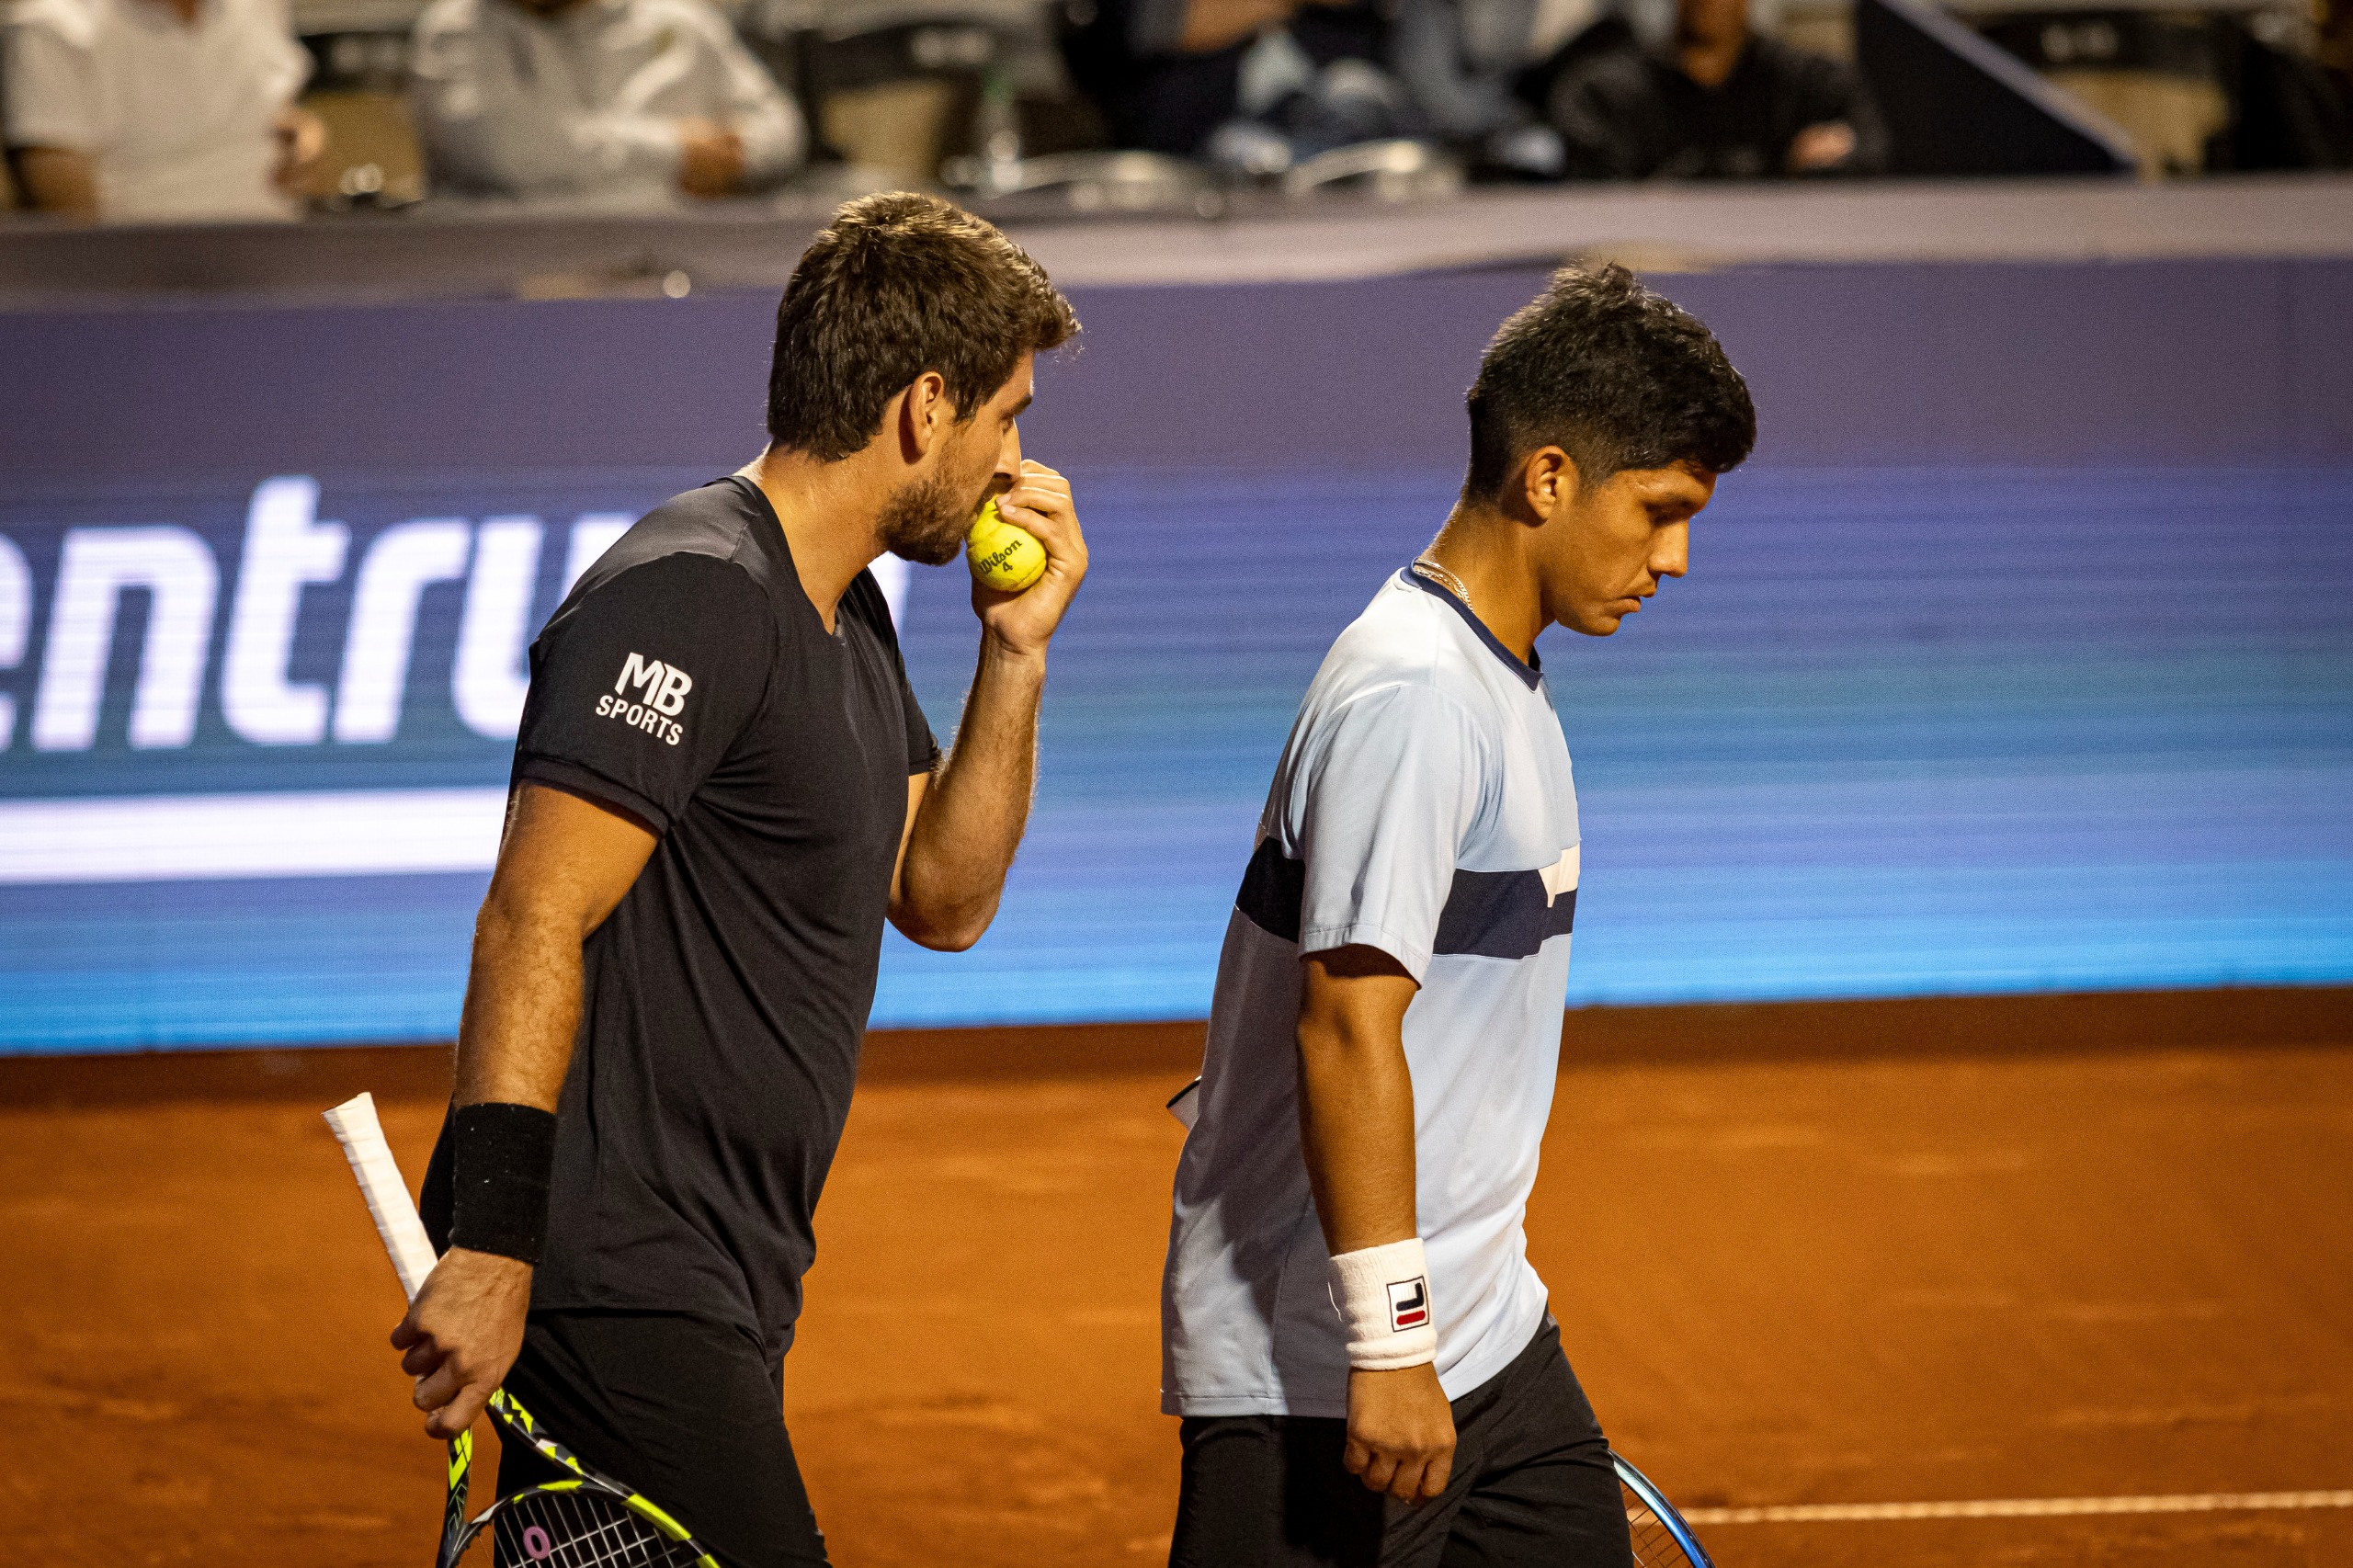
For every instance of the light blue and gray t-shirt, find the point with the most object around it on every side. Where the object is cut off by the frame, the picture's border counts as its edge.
(1422, 806)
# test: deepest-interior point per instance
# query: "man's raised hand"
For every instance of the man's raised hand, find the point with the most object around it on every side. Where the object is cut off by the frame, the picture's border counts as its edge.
(1040, 502)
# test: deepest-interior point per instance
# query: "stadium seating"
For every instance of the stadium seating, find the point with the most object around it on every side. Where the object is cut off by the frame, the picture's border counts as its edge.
(973, 95)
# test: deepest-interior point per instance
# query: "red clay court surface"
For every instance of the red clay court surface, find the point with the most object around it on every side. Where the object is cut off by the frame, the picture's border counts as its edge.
(1885, 1253)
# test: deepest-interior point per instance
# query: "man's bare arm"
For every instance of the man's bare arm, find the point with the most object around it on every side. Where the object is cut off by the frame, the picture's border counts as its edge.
(1356, 1097)
(59, 180)
(964, 823)
(563, 865)
(1355, 1124)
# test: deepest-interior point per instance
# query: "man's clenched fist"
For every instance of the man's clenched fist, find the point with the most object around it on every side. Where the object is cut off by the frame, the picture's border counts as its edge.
(462, 1332)
(1400, 1432)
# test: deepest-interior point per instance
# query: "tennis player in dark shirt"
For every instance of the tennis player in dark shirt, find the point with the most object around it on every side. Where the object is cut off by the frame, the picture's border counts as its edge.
(723, 787)
(1722, 102)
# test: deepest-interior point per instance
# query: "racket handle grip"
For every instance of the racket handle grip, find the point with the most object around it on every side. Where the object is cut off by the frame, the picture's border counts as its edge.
(362, 1136)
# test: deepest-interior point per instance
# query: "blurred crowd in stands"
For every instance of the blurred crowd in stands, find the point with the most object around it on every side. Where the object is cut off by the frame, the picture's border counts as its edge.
(187, 110)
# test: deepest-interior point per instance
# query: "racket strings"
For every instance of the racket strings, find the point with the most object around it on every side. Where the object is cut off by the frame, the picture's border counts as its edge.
(1655, 1544)
(579, 1530)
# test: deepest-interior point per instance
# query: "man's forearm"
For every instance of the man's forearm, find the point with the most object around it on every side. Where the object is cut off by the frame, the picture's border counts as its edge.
(522, 1008)
(1355, 1124)
(1356, 1097)
(972, 819)
(465, 1327)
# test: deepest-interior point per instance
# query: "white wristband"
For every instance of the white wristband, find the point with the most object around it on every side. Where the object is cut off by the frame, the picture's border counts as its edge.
(1383, 1296)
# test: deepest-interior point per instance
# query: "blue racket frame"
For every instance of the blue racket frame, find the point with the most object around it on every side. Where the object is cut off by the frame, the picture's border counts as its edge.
(1655, 1501)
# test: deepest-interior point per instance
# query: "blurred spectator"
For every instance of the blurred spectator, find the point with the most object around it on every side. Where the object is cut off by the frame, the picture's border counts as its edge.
(1254, 83)
(1463, 60)
(157, 111)
(628, 101)
(1720, 102)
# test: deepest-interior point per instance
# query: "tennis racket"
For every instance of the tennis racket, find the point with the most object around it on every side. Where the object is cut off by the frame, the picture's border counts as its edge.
(1661, 1537)
(581, 1520)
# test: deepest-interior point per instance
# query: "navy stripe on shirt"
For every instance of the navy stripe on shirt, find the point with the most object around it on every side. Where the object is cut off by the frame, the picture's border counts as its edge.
(1272, 889)
(1502, 915)
(1494, 914)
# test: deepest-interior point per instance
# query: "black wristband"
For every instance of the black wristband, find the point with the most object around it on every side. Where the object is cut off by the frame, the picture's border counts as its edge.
(500, 1159)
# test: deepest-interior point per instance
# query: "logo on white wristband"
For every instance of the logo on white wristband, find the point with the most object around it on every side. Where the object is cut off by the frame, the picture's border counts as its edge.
(1383, 1295)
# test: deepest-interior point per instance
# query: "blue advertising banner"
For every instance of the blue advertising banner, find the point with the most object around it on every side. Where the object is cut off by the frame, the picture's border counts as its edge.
(2022, 657)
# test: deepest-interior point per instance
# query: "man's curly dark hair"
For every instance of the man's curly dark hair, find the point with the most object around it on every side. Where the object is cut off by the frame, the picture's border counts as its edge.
(898, 284)
(1614, 375)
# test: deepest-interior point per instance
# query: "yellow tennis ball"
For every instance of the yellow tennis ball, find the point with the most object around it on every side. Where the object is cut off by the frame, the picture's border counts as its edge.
(1003, 555)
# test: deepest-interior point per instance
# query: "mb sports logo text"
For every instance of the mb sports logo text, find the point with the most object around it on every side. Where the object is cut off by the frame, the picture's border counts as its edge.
(662, 692)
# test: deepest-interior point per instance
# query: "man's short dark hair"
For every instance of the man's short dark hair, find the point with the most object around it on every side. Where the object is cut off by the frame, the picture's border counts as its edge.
(898, 284)
(1613, 375)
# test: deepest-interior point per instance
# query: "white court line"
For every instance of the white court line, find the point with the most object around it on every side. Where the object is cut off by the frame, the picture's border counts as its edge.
(2017, 1507)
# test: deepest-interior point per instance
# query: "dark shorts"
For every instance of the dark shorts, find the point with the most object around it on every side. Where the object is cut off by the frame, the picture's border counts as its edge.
(1532, 1486)
(686, 1410)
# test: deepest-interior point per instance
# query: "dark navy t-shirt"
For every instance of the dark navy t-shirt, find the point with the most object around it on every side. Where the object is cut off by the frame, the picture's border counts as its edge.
(689, 682)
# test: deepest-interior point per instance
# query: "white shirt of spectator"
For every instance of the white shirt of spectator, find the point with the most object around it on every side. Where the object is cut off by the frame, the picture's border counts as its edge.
(586, 103)
(175, 117)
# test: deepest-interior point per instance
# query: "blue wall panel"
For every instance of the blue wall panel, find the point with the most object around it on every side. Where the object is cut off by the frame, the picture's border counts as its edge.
(2022, 657)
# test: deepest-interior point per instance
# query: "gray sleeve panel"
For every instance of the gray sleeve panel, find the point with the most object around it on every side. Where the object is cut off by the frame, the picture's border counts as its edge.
(1380, 806)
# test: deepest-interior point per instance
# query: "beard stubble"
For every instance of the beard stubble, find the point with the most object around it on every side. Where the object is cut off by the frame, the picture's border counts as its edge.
(926, 520)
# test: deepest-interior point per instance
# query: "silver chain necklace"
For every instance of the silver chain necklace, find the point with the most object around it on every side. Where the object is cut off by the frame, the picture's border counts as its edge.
(1426, 568)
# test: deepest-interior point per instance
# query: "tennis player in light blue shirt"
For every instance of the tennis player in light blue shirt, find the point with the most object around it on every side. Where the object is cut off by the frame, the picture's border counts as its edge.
(1351, 1330)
